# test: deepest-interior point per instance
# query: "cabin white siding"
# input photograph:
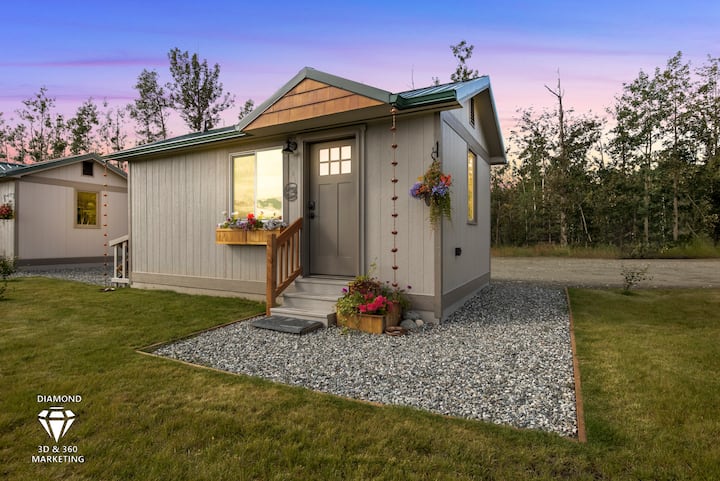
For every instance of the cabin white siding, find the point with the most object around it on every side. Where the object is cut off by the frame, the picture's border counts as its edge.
(46, 214)
(416, 137)
(464, 274)
(176, 204)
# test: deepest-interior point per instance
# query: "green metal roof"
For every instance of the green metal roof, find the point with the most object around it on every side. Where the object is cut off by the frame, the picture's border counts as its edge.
(188, 140)
(435, 94)
(5, 166)
(449, 95)
(20, 170)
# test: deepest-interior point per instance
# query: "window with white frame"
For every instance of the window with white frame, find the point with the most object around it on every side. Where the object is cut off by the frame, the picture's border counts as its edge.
(257, 186)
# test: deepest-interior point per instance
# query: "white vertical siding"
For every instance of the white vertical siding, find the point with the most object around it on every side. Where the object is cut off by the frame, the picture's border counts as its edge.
(415, 241)
(46, 215)
(177, 203)
(473, 239)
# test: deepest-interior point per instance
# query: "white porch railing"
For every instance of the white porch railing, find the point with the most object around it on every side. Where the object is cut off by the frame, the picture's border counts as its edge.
(121, 266)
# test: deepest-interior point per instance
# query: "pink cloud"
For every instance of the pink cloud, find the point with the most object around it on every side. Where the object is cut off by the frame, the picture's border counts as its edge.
(90, 62)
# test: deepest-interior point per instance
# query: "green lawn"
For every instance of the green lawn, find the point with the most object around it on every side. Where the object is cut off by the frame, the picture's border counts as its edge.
(649, 364)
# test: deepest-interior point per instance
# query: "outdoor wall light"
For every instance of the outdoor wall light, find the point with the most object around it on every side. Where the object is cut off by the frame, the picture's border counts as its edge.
(290, 147)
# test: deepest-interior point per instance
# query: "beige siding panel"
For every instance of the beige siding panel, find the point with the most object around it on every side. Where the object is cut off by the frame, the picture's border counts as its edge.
(473, 239)
(415, 240)
(73, 173)
(464, 117)
(46, 223)
(173, 233)
(7, 226)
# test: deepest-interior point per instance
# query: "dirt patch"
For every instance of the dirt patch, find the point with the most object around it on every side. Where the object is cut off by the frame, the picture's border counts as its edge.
(606, 272)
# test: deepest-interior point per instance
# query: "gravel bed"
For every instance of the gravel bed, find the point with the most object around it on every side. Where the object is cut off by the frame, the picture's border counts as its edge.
(87, 273)
(504, 357)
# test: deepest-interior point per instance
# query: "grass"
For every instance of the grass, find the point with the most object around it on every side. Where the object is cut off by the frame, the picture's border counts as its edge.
(649, 379)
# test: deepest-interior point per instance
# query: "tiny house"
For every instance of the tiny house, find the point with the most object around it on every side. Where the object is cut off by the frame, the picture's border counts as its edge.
(59, 208)
(319, 154)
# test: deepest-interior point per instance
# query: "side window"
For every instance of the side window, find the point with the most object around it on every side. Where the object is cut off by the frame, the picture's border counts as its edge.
(258, 183)
(87, 207)
(472, 194)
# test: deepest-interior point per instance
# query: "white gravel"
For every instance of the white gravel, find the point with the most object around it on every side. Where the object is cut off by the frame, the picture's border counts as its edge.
(97, 274)
(504, 357)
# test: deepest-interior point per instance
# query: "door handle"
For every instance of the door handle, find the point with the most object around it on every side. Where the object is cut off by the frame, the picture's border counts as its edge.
(311, 215)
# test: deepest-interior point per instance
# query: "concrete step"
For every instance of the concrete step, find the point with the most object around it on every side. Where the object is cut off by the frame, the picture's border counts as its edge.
(310, 302)
(302, 314)
(320, 285)
(312, 298)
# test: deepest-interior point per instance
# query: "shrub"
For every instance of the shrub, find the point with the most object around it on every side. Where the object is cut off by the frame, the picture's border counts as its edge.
(632, 276)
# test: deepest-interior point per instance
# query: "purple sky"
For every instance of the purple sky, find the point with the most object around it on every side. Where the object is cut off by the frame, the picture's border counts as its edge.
(97, 49)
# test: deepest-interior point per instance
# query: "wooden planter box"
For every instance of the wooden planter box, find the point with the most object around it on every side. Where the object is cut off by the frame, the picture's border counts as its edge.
(373, 324)
(244, 237)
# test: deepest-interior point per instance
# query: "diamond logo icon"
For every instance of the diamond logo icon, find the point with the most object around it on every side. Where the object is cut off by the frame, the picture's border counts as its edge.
(56, 421)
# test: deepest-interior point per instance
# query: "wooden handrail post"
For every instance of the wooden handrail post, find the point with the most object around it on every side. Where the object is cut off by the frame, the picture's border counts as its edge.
(271, 282)
(288, 242)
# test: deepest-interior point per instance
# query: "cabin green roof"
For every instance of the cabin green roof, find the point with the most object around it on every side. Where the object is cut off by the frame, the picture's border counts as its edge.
(449, 95)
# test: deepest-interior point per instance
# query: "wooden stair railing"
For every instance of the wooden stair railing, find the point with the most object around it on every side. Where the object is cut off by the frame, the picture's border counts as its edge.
(121, 250)
(283, 262)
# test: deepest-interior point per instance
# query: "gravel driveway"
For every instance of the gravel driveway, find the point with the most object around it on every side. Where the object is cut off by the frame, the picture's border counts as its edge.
(606, 272)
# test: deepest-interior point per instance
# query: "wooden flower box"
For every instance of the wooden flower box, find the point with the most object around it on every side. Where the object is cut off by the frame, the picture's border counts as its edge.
(244, 237)
(374, 324)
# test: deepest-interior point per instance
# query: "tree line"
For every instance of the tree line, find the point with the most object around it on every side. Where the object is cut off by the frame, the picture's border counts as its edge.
(644, 177)
(38, 133)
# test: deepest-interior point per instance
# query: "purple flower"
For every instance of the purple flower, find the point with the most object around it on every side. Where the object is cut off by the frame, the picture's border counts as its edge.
(414, 190)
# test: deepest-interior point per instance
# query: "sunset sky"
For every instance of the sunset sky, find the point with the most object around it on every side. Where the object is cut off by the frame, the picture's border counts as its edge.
(82, 49)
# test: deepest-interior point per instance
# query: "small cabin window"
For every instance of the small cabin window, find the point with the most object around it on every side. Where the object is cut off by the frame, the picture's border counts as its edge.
(258, 184)
(472, 192)
(87, 167)
(86, 209)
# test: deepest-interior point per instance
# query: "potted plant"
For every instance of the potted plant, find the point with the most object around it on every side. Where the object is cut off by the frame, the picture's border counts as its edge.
(434, 189)
(370, 306)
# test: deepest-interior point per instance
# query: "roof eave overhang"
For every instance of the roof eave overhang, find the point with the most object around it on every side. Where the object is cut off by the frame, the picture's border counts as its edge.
(150, 149)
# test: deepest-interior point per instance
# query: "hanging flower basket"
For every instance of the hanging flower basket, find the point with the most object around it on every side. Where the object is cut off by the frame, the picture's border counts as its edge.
(434, 189)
